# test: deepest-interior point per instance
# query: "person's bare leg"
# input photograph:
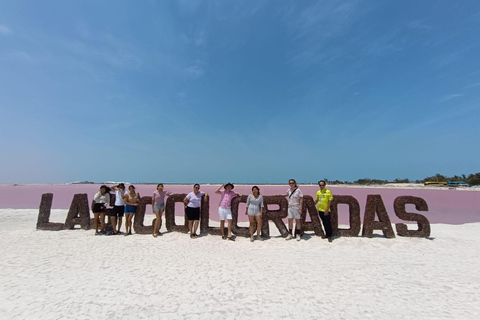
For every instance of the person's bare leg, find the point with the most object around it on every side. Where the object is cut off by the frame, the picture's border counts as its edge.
(222, 227)
(119, 224)
(259, 225)
(102, 222)
(298, 227)
(128, 224)
(190, 228)
(160, 220)
(157, 223)
(229, 228)
(95, 222)
(113, 222)
(251, 227)
(195, 226)
(290, 224)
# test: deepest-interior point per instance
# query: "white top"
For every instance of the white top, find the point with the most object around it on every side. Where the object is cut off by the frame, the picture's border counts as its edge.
(294, 199)
(195, 200)
(98, 198)
(118, 198)
(254, 204)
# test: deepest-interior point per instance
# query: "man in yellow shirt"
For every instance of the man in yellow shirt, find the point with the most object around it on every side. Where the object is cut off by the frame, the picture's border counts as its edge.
(324, 199)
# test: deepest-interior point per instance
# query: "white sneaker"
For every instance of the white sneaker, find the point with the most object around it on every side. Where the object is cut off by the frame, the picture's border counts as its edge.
(298, 237)
(251, 238)
(259, 237)
(289, 237)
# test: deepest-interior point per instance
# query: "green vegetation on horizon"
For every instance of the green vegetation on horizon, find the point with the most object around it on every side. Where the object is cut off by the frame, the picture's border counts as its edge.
(472, 179)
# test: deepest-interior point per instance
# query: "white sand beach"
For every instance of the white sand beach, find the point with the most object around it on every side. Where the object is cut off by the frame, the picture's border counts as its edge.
(73, 274)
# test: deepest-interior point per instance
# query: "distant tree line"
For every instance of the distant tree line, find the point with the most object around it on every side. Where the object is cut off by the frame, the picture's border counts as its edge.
(472, 179)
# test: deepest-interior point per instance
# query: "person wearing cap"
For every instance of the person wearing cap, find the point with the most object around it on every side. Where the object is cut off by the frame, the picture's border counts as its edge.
(295, 203)
(324, 199)
(225, 208)
(119, 207)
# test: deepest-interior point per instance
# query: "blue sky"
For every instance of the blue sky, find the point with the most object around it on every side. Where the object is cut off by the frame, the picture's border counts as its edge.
(242, 91)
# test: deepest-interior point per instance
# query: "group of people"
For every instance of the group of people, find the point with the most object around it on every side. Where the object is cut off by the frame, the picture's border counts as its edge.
(126, 202)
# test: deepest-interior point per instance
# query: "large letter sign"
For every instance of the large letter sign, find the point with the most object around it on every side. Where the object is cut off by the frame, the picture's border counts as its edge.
(79, 214)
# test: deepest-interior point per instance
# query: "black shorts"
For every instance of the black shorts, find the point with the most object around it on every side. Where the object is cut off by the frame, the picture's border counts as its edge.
(98, 208)
(192, 213)
(117, 211)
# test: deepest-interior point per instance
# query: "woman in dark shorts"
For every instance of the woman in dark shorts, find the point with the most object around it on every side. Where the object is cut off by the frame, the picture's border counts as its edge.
(131, 203)
(193, 202)
(102, 200)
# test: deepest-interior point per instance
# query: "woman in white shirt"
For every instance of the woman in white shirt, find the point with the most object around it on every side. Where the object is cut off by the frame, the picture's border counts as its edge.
(193, 202)
(102, 200)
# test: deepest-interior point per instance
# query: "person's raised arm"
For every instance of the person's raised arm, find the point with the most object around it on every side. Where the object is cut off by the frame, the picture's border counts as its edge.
(218, 189)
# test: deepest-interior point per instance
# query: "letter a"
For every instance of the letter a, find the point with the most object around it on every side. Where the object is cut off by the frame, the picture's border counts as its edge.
(374, 207)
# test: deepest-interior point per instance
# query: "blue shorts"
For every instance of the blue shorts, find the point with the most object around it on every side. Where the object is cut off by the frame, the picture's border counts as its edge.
(158, 206)
(130, 209)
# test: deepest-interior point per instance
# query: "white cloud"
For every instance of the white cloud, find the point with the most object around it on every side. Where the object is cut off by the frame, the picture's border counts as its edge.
(450, 97)
(4, 30)
(195, 71)
(313, 28)
(474, 85)
(418, 25)
(22, 56)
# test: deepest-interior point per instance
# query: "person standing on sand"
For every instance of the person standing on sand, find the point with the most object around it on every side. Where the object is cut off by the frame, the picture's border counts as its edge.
(131, 202)
(324, 199)
(193, 202)
(225, 208)
(254, 211)
(102, 200)
(118, 208)
(295, 203)
(158, 206)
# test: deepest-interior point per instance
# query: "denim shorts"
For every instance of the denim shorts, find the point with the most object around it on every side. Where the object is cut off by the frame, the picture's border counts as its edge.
(159, 206)
(130, 209)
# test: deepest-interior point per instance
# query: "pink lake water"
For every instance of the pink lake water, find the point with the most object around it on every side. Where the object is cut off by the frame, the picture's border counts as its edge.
(448, 206)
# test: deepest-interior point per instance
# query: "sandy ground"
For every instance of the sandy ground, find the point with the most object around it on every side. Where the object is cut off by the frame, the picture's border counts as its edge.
(73, 274)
